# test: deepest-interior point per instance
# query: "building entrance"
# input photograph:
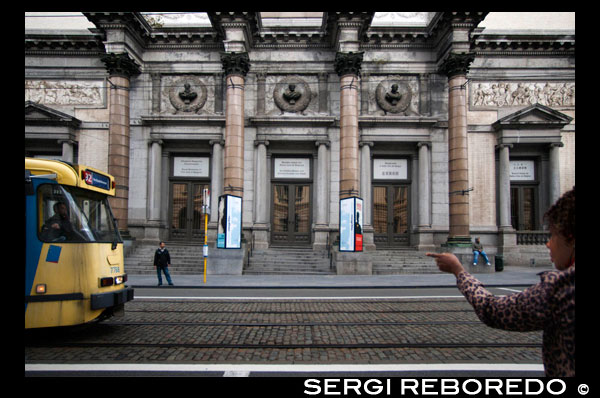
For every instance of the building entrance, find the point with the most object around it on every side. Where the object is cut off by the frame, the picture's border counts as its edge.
(391, 215)
(186, 221)
(291, 214)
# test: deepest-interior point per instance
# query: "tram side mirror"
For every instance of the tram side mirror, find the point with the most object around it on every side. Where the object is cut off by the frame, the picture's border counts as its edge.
(28, 184)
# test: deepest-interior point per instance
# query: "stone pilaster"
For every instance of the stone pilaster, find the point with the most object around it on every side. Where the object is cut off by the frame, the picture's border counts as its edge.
(120, 68)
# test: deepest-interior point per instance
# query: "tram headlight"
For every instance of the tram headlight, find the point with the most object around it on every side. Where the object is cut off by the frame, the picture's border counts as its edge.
(119, 280)
(40, 289)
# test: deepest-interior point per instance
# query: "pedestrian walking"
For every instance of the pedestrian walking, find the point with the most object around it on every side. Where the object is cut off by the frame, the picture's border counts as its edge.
(162, 260)
(548, 305)
(477, 250)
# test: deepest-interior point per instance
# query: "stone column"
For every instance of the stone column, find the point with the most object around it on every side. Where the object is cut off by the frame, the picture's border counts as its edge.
(120, 68)
(554, 186)
(507, 236)
(236, 66)
(347, 66)
(154, 177)
(504, 186)
(216, 180)
(455, 67)
(322, 186)
(261, 179)
(424, 185)
(365, 180)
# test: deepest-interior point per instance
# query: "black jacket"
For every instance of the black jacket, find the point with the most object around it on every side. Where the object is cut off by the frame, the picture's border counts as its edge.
(162, 258)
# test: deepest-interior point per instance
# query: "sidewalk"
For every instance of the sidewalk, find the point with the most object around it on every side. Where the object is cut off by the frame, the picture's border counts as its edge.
(511, 275)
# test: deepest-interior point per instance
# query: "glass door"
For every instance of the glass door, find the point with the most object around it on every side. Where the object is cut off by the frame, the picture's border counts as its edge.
(187, 220)
(291, 214)
(390, 215)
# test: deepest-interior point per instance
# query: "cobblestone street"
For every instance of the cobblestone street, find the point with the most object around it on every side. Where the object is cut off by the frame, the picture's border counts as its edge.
(367, 331)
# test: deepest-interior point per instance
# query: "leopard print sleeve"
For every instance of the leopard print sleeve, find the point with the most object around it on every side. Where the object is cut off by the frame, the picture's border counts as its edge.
(525, 311)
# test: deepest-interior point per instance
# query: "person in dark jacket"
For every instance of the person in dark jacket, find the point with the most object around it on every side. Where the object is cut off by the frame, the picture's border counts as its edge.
(162, 260)
(548, 305)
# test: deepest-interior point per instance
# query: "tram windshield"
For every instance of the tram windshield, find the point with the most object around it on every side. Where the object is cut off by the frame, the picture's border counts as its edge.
(69, 214)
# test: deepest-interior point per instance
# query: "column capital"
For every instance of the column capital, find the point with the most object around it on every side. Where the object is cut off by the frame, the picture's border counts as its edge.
(501, 146)
(155, 141)
(235, 63)
(424, 143)
(367, 143)
(348, 63)
(456, 64)
(318, 143)
(261, 142)
(556, 145)
(120, 64)
(219, 142)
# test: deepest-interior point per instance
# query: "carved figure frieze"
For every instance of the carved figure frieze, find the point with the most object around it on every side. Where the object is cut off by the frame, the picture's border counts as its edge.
(65, 92)
(292, 94)
(394, 95)
(500, 94)
(187, 94)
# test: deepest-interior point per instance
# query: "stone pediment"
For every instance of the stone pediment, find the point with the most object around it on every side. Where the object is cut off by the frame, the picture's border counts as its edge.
(534, 116)
(39, 114)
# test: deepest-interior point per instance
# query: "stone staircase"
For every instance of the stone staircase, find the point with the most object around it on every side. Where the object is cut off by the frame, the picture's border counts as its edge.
(395, 261)
(288, 261)
(186, 259)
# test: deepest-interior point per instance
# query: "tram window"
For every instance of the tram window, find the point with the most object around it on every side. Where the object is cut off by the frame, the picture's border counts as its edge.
(69, 214)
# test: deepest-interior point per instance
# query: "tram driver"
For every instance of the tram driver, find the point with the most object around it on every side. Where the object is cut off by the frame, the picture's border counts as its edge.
(58, 228)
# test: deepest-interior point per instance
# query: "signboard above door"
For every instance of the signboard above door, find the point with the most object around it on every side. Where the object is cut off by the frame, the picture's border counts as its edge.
(390, 169)
(292, 168)
(190, 167)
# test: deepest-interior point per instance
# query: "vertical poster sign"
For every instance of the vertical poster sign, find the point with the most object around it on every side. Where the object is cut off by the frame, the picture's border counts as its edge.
(347, 225)
(358, 225)
(229, 227)
(351, 224)
(233, 235)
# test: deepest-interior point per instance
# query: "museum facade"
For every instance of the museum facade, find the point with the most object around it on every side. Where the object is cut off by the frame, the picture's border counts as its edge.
(445, 130)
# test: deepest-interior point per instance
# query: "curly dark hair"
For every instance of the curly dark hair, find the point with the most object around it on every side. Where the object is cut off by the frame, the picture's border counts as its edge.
(561, 215)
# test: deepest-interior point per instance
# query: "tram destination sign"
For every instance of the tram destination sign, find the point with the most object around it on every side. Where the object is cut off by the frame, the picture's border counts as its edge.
(96, 179)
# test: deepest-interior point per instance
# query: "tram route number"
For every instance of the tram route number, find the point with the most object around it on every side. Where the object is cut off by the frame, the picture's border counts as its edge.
(115, 270)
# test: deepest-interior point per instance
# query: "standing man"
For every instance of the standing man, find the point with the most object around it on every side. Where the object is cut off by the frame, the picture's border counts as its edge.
(162, 260)
(478, 249)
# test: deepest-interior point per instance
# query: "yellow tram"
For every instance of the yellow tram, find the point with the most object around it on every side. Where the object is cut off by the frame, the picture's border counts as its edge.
(74, 269)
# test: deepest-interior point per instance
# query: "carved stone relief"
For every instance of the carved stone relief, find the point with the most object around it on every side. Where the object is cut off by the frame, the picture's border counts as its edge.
(396, 96)
(499, 94)
(292, 94)
(187, 94)
(65, 92)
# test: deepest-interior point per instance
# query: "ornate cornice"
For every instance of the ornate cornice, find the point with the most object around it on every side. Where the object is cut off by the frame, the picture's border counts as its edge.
(235, 63)
(348, 63)
(120, 64)
(456, 64)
